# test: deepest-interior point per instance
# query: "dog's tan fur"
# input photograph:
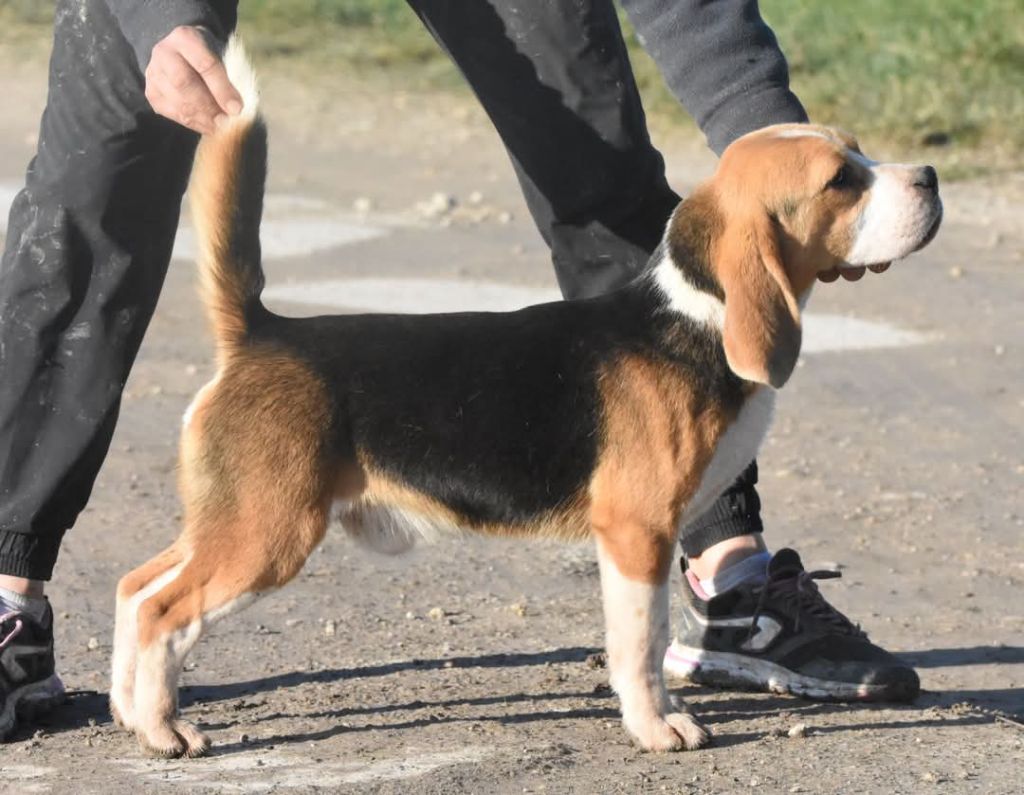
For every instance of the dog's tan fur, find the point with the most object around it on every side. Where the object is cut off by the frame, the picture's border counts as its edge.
(259, 486)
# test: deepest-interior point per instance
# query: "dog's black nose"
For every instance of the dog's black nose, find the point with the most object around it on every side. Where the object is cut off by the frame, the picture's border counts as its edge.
(926, 178)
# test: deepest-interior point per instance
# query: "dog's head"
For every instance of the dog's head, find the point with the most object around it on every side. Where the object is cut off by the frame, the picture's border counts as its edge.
(791, 203)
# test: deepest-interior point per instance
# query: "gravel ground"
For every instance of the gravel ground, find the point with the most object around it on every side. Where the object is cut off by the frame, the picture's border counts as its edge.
(468, 667)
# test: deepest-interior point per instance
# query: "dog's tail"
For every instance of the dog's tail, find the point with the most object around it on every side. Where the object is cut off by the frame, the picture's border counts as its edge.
(227, 203)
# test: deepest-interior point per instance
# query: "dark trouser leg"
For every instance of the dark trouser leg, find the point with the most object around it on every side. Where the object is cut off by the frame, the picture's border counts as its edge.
(556, 81)
(88, 244)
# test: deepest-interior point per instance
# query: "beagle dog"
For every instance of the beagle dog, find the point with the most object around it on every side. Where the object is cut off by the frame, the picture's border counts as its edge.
(619, 418)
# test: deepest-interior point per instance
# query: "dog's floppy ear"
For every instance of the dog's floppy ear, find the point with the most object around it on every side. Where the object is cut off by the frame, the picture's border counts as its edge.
(762, 317)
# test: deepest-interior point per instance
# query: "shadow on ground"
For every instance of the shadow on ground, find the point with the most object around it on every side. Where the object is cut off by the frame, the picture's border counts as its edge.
(89, 708)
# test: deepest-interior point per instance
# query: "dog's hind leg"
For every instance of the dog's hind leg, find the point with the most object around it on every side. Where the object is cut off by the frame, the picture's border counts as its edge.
(170, 622)
(634, 565)
(229, 566)
(134, 588)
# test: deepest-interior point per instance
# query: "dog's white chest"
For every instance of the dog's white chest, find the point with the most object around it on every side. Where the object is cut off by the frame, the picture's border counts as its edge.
(737, 448)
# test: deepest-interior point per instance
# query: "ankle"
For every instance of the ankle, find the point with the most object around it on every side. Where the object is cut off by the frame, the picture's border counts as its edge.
(725, 554)
(22, 585)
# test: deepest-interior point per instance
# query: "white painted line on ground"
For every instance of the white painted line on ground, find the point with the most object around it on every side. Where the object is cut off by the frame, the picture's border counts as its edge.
(297, 226)
(827, 333)
(415, 296)
(823, 333)
(293, 226)
(248, 771)
(294, 237)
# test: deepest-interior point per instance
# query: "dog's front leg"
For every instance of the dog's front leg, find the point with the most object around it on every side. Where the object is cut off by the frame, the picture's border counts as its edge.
(636, 620)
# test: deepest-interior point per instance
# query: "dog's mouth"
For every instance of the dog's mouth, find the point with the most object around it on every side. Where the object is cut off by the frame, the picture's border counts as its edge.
(854, 273)
(933, 230)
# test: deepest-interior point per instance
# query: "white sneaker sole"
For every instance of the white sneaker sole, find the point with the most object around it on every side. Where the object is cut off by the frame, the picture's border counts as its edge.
(722, 669)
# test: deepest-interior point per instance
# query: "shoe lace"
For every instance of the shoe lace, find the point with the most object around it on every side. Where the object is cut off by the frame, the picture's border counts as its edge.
(10, 627)
(800, 597)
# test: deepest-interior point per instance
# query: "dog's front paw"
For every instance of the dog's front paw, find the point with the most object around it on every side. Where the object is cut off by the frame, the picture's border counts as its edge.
(677, 731)
(173, 739)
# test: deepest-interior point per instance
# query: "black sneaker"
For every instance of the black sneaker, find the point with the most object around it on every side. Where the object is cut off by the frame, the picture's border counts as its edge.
(782, 636)
(28, 682)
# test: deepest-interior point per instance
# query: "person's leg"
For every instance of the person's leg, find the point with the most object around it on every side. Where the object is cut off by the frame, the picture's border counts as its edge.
(88, 243)
(555, 80)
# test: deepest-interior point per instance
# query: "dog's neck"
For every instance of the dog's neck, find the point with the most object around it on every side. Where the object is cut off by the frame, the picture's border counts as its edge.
(683, 295)
(683, 272)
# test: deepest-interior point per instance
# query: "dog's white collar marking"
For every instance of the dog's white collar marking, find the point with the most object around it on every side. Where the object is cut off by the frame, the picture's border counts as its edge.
(684, 297)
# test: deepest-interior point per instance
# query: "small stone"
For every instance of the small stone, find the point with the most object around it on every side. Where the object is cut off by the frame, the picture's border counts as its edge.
(956, 272)
(410, 615)
(799, 730)
(504, 217)
(363, 205)
(435, 614)
(597, 660)
(191, 369)
(476, 197)
(243, 738)
(330, 628)
(93, 644)
(436, 206)
(293, 622)
(518, 609)
(999, 350)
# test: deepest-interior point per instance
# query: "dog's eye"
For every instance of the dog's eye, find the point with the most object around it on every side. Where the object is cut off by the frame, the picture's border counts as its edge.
(841, 179)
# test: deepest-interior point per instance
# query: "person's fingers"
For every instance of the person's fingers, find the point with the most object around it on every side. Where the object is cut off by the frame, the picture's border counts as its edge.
(191, 102)
(187, 82)
(205, 62)
(170, 109)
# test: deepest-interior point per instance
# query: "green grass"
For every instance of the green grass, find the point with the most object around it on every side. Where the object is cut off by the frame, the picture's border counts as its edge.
(944, 77)
(938, 79)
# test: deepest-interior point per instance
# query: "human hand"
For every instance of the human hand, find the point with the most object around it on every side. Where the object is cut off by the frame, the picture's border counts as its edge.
(187, 82)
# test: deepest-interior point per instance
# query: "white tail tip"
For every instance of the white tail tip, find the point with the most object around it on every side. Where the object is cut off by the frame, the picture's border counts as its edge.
(242, 76)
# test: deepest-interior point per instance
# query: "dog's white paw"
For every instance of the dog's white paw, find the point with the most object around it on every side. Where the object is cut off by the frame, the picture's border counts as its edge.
(173, 739)
(677, 731)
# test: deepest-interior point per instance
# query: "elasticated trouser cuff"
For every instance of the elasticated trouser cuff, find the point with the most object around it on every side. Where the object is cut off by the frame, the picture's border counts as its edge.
(31, 556)
(736, 513)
